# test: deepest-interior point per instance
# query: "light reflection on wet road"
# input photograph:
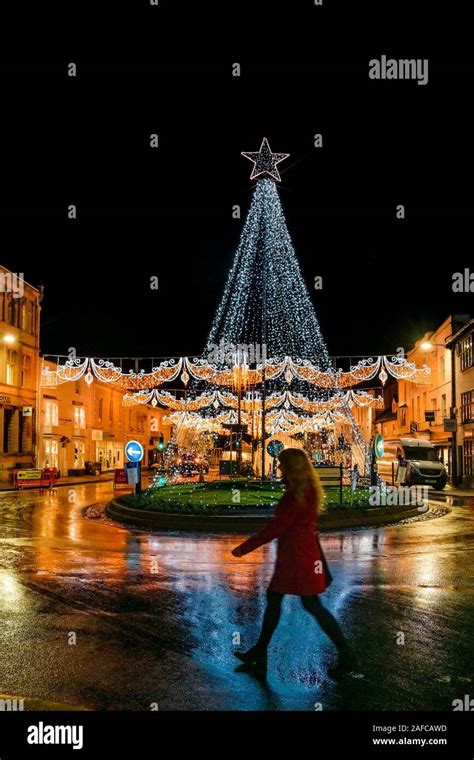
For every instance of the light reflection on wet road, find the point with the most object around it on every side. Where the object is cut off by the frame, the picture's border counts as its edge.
(155, 615)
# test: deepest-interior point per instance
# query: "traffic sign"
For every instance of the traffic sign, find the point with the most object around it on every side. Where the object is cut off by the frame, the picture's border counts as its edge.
(450, 425)
(134, 451)
(378, 445)
(275, 448)
(132, 470)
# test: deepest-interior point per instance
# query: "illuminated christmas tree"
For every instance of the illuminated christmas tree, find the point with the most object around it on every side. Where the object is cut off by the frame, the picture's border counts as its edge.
(265, 301)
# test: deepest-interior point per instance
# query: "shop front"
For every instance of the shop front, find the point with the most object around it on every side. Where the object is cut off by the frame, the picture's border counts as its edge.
(17, 434)
(109, 453)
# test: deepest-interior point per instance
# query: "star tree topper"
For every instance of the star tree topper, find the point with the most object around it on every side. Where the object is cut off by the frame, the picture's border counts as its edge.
(265, 162)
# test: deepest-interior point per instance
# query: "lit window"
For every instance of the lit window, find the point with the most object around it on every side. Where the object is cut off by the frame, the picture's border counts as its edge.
(467, 407)
(79, 417)
(50, 453)
(466, 353)
(51, 414)
(12, 358)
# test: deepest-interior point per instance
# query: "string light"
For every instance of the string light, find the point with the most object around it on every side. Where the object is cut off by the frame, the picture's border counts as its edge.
(291, 326)
(265, 162)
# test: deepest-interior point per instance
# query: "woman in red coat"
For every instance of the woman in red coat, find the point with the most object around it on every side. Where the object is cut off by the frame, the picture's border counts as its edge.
(301, 567)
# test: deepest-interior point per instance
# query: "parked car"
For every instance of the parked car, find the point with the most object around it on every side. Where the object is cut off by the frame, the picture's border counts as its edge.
(190, 464)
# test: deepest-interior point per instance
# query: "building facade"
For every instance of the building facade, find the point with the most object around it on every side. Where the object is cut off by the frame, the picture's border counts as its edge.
(19, 372)
(428, 411)
(82, 423)
(422, 409)
(461, 345)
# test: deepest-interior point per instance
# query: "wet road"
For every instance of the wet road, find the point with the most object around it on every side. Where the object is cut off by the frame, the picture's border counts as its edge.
(155, 617)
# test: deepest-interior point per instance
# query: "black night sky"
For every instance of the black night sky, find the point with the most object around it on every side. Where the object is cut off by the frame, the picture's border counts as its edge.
(167, 212)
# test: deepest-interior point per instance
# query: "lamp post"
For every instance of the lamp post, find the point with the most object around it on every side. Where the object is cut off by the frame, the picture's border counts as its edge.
(240, 381)
(427, 345)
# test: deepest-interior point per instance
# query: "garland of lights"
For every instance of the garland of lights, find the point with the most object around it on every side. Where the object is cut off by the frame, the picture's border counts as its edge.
(106, 372)
(201, 370)
(218, 398)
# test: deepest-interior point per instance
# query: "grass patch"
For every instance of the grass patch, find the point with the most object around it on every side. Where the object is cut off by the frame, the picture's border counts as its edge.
(224, 496)
(358, 499)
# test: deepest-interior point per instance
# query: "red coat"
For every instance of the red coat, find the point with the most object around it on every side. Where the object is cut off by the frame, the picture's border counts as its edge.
(301, 567)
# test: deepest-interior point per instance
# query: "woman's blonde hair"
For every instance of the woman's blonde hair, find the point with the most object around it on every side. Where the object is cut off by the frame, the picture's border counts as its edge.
(301, 476)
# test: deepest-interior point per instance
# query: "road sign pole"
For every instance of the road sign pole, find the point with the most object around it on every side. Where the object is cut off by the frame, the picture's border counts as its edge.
(138, 485)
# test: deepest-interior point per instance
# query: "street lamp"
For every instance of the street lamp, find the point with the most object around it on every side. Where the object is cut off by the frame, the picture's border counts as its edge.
(240, 382)
(9, 338)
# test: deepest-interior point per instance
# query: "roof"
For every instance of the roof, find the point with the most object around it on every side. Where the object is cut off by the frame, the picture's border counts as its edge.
(20, 274)
(386, 416)
(455, 337)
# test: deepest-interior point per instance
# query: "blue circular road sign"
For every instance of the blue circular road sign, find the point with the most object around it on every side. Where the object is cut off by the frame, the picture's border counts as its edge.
(134, 451)
(378, 445)
(275, 448)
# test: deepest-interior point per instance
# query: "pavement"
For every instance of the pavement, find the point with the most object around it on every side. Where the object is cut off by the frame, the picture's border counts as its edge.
(97, 616)
(69, 481)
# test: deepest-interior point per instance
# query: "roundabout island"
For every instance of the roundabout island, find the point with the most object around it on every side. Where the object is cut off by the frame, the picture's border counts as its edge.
(245, 505)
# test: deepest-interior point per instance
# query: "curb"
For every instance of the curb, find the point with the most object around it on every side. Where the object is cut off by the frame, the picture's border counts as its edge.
(40, 705)
(58, 485)
(360, 518)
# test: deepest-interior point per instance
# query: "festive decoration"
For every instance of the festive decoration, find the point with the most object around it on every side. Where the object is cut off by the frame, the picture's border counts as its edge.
(264, 349)
(265, 162)
(266, 305)
(107, 372)
(288, 369)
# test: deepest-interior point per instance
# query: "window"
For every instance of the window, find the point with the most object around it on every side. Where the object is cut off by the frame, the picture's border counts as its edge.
(77, 387)
(447, 365)
(11, 310)
(403, 416)
(467, 406)
(443, 406)
(468, 450)
(12, 358)
(79, 417)
(100, 410)
(421, 454)
(25, 370)
(29, 317)
(23, 314)
(111, 411)
(465, 352)
(51, 414)
(8, 431)
(50, 452)
(401, 392)
(442, 369)
(27, 311)
(79, 455)
(418, 415)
